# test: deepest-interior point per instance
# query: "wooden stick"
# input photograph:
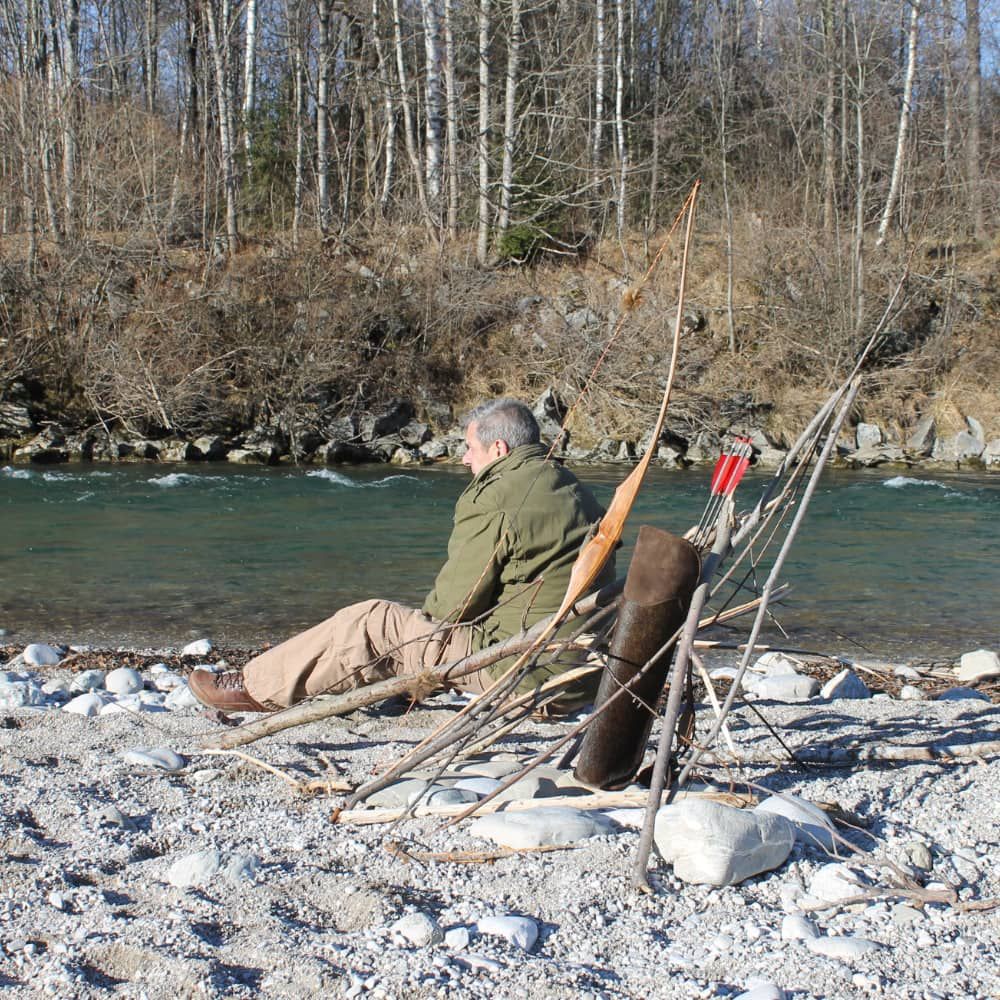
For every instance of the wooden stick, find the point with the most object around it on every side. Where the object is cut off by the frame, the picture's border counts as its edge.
(599, 800)
(779, 562)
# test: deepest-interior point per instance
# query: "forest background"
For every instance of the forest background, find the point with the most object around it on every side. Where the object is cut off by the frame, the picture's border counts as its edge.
(225, 214)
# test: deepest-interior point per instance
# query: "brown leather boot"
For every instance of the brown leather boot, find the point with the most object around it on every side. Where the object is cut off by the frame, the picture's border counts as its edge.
(225, 692)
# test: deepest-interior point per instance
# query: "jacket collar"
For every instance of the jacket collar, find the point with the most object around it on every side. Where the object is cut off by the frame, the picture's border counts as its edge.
(514, 459)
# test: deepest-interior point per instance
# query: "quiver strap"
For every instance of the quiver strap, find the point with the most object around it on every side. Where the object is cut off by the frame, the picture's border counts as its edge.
(661, 581)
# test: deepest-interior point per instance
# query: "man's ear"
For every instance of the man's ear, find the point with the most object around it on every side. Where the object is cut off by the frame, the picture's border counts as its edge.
(502, 447)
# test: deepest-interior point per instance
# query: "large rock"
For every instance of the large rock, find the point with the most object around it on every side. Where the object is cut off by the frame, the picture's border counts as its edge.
(846, 684)
(388, 421)
(550, 411)
(960, 447)
(15, 420)
(867, 436)
(991, 454)
(980, 665)
(921, 440)
(47, 447)
(786, 688)
(210, 447)
(810, 822)
(713, 844)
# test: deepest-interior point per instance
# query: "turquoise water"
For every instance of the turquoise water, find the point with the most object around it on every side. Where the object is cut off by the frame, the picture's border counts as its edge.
(886, 564)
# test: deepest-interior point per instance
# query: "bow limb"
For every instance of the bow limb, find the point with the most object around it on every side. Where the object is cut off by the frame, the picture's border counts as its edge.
(598, 548)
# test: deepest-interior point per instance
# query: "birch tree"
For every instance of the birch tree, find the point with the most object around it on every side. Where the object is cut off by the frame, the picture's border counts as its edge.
(905, 112)
(973, 58)
(510, 118)
(483, 134)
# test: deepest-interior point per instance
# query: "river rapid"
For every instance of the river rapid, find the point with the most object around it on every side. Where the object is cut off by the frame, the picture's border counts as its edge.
(886, 565)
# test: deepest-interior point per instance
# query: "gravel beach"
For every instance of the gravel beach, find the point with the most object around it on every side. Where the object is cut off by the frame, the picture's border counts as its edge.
(136, 865)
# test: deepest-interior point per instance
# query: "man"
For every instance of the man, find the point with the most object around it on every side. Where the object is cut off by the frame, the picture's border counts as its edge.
(518, 528)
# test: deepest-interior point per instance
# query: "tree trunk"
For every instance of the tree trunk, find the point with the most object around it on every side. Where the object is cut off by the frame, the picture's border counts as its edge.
(905, 112)
(216, 39)
(621, 145)
(249, 74)
(599, 73)
(323, 119)
(483, 139)
(973, 60)
(432, 107)
(390, 112)
(409, 130)
(829, 108)
(510, 122)
(451, 103)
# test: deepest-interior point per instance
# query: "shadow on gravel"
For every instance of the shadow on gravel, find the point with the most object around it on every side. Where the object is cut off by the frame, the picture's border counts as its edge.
(99, 978)
(224, 976)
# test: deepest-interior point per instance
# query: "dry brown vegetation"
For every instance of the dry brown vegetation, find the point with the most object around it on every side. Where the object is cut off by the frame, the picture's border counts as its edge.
(179, 342)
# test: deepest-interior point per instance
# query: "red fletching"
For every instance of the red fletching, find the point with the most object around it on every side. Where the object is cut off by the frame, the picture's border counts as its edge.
(742, 453)
(718, 474)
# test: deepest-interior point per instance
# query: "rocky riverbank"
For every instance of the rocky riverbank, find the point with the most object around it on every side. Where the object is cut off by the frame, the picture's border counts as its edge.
(405, 433)
(136, 864)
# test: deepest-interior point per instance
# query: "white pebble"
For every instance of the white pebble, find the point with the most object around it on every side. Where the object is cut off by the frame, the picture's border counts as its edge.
(89, 680)
(180, 698)
(39, 654)
(194, 869)
(418, 929)
(161, 758)
(843, 948)
(519, 931)
(795, 927)
(123, 680)
(87, 705)
(457, 939)
(200, 647)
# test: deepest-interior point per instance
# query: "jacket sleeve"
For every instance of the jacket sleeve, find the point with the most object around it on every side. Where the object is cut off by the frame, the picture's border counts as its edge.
(469, 582)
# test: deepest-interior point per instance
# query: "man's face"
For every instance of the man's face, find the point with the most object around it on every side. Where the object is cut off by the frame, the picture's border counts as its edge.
(478, 455)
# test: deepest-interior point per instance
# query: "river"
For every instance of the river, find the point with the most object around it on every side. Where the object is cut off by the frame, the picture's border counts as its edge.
(886, 564)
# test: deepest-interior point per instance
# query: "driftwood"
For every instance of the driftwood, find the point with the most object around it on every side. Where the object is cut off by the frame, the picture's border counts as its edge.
(599, 800)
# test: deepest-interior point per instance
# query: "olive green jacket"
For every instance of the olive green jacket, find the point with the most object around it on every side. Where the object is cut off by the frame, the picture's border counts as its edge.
(518, 529)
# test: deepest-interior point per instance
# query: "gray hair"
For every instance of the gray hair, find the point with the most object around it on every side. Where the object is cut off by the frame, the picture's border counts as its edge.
(503, 420)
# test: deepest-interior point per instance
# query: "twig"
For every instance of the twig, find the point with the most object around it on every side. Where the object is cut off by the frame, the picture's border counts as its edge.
(397, 850)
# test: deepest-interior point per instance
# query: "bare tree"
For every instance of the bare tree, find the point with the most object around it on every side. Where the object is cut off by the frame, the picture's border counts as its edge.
(510, 118)
(483, 134)
(905, 113)
(973, 58)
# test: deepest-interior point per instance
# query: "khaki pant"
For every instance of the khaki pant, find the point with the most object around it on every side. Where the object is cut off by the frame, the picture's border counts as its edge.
(360, 644)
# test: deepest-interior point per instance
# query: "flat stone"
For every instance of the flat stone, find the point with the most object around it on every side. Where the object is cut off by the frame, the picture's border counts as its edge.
(963, 694)
(906, 672)
(867, 436)
(123, 680)
(834, 882)
(479, 786)
(980, 665)
(40, 654)
(200, 647)
(87, 705)
(713, 844)
(89, 680)
(786, 688)
(519, 931)
(240, 868)
(910, 693)
(437, 796)
(811, 824)
(159, 758)
(795, 927)
(843, 948)
(531, 786)
(195, 869)
(904, 916)
(400, 793)
(630, 818)
(542, 827)
(846, 684)
(419, 930)
(919, 855)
